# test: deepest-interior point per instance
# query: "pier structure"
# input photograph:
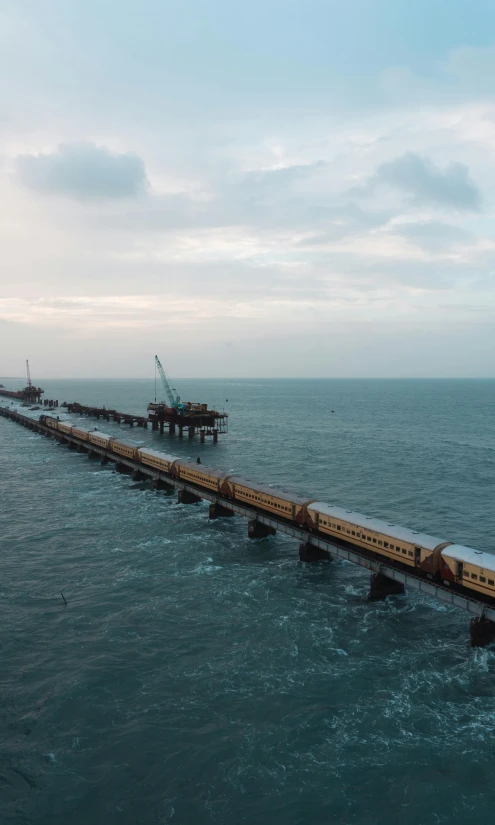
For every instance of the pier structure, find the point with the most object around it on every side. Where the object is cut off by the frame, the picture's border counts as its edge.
(106, 414)
(387, 577)
(28, 395)
(207, 423)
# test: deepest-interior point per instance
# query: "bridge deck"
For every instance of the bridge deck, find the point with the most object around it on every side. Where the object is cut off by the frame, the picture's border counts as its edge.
(445, 594)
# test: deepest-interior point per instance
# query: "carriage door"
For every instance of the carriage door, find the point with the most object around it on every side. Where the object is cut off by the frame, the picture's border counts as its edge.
(459, 571)
(417, 556)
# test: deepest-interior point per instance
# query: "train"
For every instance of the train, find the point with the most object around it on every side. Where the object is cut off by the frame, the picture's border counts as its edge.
(441, 561)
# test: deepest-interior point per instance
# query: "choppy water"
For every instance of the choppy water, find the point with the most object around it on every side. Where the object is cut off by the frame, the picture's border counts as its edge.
(198, 677)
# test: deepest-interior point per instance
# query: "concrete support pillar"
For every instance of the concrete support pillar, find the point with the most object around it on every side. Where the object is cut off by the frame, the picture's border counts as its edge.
(159, 484)
(92, 454)
(219, 511)
(123, 468)
(171, 428)
(154, 425)
(161, 427)
(215, 436)
(309, 553)
(202, 437)
(257, 530)
(482, 631)
(139, 476)
(381, 587)
(181, 434)
(104, 459)
(185, 497)
(191, 432)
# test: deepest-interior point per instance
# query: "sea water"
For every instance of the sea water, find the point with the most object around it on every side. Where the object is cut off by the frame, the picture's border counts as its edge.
(195, 676)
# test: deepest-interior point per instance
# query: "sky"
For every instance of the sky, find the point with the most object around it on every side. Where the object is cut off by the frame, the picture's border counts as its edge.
(267, 189)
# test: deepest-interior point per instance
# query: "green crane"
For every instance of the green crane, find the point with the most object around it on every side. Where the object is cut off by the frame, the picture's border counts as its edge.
(174, 401)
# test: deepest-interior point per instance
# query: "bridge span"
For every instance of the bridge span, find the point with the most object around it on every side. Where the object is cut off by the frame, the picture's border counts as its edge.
(386, 578)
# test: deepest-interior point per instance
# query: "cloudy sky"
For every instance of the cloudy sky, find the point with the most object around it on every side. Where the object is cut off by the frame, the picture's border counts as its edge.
(272, 188)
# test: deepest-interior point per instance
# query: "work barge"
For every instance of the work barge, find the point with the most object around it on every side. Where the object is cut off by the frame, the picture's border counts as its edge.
(387, 577)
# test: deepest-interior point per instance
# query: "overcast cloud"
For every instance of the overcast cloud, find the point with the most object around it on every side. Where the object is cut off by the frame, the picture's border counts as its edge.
(279, 188)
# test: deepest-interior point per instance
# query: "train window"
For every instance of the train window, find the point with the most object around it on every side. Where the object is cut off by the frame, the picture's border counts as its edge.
(474, 576)
(380, 543)
(404, 551)
(338, 527)
(482, 579)
(374, 541)
(349, 532)
(411, 552)
(369, 538)
(490, 581)
(385, 543)
(353, 532)
(358, 535)
(466, 575)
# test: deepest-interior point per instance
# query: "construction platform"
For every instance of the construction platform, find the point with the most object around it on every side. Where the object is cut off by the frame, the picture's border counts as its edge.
(30, 395)
(195, 418)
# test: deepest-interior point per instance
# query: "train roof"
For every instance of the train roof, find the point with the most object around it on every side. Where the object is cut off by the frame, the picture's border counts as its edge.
(378, 525)
(294, 498)
(103, 435)
(130, 444)
(212, 471)
(459, 552)
(157, 454)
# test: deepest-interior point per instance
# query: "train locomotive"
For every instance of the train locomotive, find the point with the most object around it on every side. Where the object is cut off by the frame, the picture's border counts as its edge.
(442, 561)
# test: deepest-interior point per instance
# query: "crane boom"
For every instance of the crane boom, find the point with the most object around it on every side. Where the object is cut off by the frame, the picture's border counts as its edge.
(174, 402)
(28, 375)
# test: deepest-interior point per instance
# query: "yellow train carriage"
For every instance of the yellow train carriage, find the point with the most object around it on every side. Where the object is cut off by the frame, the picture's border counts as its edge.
(100, 439)
(388, 540)
(125, 449)
(79, 432)
(63, 427)
(157, 460)
(470, 568)
(50, 422)
(208, 477)
(277, 502)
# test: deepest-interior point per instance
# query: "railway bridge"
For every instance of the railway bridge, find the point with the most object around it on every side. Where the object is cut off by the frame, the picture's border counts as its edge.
(387, 577)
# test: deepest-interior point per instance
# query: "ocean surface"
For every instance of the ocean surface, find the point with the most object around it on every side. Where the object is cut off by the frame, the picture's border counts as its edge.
(196, 676)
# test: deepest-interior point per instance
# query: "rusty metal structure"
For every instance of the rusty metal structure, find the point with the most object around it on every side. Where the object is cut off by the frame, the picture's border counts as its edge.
(192, 416)
(204, 422)
(29, 395)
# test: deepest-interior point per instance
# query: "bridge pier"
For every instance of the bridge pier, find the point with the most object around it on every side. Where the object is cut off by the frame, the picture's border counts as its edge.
(258, 530)
(190, 433)
(185, 497)
(381, 587)
(219, 511)
(202, 437)
(123, 468)
(92, 454)
(309, 553)
(482, 631)
(139, 476)
(159, 484)
(171, 428)
(104, 459)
